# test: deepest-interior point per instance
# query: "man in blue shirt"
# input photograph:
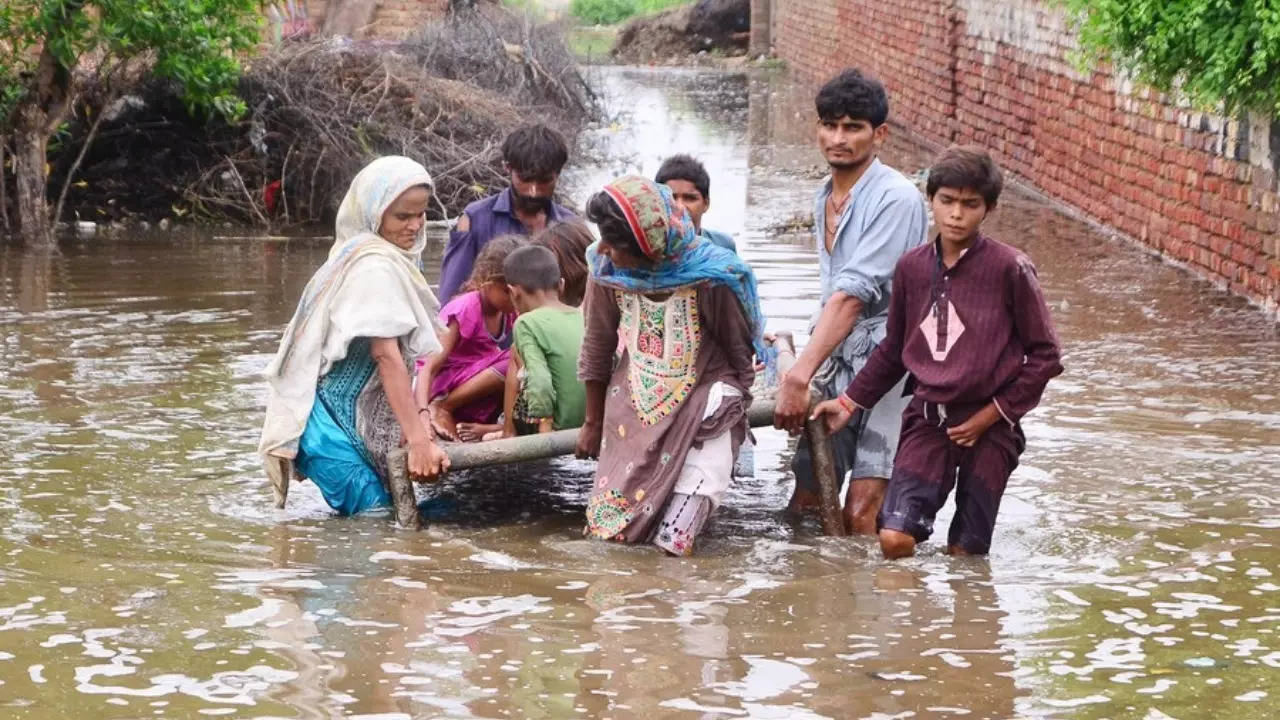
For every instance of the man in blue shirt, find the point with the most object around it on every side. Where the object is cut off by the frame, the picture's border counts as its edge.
(690, 187)
(866, 216)
(533, 156)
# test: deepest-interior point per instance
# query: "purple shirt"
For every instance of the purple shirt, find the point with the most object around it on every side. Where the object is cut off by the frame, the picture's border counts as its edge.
(976, 332)
(490, 217)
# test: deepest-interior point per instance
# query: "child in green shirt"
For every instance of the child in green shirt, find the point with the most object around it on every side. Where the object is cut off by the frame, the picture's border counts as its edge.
(544, 392)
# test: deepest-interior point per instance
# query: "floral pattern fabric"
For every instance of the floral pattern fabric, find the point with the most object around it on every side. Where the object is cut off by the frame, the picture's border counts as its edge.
(662, 339)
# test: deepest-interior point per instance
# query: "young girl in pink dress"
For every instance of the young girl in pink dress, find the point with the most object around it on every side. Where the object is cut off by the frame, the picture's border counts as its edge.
(461, 386)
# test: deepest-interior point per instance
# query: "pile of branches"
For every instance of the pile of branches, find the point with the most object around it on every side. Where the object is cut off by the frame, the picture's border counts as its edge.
(320, 111)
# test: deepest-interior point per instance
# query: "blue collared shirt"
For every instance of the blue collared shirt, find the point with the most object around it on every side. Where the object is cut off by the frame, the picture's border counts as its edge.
(489, 217)
(884, 217)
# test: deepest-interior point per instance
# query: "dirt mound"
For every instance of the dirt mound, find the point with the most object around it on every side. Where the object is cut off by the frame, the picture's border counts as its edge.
(713, 26)
(317, 113)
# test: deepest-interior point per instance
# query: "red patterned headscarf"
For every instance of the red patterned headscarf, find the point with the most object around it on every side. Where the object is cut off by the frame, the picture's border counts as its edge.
(662, 229)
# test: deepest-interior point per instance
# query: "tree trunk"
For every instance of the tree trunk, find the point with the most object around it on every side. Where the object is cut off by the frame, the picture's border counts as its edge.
(36, 118)
(4, 187)
(30, 177)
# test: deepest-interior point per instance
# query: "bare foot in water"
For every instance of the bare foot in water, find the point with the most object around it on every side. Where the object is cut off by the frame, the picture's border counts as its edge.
(442, 420)
(475, 432)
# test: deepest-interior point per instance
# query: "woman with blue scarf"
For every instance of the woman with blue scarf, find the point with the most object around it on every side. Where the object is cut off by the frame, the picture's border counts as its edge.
(667, 422)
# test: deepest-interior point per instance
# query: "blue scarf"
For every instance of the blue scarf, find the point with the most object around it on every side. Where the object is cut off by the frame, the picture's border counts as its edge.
(681, 258)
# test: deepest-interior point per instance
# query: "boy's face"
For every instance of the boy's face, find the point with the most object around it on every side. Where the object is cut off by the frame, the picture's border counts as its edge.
(958, 213)
(519, 298)
(849, 143)
(687, 196)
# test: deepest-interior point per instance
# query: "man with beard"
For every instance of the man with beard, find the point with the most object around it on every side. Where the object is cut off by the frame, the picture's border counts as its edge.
(866, 216)
(533, 155)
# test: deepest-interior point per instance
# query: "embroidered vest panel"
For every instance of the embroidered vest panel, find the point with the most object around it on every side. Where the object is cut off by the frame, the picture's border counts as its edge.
(662, 340)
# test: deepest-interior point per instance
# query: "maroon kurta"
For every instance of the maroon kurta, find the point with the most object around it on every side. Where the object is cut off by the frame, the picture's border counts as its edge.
(978, 331)
(641, 460)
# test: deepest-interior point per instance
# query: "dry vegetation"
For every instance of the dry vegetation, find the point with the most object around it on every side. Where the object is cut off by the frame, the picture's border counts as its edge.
(320, 111)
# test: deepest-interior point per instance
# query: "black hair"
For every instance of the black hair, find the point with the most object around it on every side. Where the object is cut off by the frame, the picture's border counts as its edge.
(853, 95)
(614, 228)
(535, 151)
(687, 168)
(966, 168)
(532, 268)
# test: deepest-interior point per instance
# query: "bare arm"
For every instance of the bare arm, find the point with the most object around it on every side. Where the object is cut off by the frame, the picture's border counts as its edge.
(509, 393)
(595, 363)
(422, 390)
(835, 323)
(593, 423)
(425, 458)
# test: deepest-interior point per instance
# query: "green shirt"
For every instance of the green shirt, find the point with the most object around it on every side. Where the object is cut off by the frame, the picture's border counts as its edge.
(548, 341)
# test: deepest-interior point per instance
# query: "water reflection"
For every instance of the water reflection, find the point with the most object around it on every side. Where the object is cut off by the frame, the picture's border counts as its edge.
(1134, 571)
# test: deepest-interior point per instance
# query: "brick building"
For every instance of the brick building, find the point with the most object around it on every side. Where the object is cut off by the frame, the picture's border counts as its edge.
(1198, 188)
(359, 19)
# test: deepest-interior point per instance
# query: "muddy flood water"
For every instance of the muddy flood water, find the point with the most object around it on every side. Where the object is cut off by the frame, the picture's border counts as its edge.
(1135, 571)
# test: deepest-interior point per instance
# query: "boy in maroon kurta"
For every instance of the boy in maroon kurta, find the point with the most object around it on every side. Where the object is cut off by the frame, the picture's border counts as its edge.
(969, 323)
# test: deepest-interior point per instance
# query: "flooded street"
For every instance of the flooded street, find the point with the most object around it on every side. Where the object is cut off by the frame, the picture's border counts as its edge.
(1135, 570)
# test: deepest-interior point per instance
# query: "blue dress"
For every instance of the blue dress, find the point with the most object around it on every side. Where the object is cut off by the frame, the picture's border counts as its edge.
(344, 464)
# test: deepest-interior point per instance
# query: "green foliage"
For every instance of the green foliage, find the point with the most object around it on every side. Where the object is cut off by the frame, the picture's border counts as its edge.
(193, 42)
(591, 43)
(609, 12)
(1211, 51)
(532, 8)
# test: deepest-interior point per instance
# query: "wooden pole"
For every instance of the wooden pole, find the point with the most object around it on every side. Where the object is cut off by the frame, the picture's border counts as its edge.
(526, 448)
(824, 471)
(469, 456)
(403, 498)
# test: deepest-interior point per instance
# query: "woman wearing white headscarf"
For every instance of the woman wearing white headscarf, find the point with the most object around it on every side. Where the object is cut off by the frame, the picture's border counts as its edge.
(340, 398)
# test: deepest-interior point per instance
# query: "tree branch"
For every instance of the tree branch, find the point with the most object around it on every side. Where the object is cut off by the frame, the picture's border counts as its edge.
(75, 166)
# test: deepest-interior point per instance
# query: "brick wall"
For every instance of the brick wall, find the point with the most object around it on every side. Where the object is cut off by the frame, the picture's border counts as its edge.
(392, 19)
(1199, 189)
(395, 19)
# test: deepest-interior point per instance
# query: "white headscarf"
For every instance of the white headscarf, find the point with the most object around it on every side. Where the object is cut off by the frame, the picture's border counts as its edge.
(372, 191)
(369, 287)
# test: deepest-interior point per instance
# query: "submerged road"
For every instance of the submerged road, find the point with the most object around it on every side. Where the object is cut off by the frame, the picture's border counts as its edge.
(1135, 571)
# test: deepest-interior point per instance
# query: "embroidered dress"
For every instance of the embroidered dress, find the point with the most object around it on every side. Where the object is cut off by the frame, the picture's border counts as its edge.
(675, 404)
(350, 431)
(662, 339)
(643, 456)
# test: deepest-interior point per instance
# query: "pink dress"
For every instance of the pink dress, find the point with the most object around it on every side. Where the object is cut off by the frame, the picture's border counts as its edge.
(476, 351)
